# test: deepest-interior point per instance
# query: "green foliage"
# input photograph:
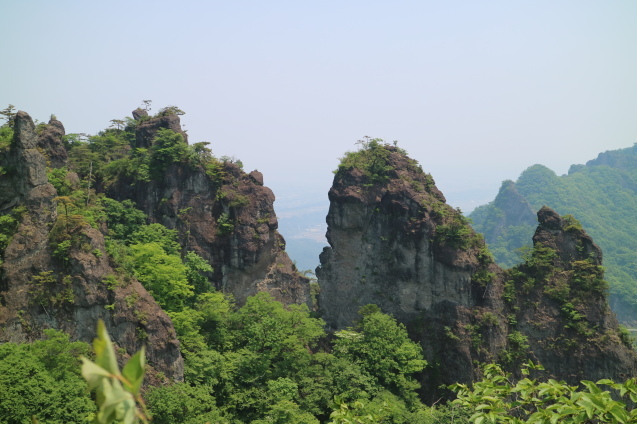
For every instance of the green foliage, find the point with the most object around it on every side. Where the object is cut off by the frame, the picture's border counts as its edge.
(196, 267)
(224, 224)
(48, 289)
(183, 403)
(57, 177)
(168, 147)
(163, 275)
(118, 393)
(456, 232)
(497, 399)
(157, 233)
(42, 379)
(9, 116)
(123, 218)
(381, 347)
(372, 159)
(9, 224)
(600, 194)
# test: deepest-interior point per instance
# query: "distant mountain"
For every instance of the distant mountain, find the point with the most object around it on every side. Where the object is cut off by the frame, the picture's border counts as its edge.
(602, 195)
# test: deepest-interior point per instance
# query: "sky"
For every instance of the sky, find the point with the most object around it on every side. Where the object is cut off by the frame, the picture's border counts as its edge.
(475, 91)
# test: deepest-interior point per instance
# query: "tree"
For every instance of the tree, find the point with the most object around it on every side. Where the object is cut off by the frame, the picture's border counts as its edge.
(42, 379)
(118, 123)
(162, 274)
(9, 115)
(383, 350)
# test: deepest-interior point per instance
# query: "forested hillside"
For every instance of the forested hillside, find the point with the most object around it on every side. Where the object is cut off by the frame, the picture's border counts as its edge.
(187, 262)
(602, 195)
(176, 252)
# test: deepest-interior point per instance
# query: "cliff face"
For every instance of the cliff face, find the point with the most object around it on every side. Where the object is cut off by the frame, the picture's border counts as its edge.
(559, 300)
(395, 243)
(223, 214)
(41, 289)
(50, 143)
(383, 245)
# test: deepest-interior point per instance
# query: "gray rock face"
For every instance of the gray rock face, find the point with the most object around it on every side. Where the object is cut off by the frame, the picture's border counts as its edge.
(139, 113)
(38, 291)
(382, 249)
(396, 244)
(146, 130)
(229, 220)
(50, 143)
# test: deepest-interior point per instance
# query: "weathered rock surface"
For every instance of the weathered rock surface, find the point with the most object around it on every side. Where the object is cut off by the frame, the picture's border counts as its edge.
(381, 248)
(516, 211)
(51, 144)
(147, 129)
(396, 244)
(40, 291)
(225, 216)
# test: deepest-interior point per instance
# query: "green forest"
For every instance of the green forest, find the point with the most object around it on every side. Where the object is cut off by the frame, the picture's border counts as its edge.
(262, 361)
(602, 195)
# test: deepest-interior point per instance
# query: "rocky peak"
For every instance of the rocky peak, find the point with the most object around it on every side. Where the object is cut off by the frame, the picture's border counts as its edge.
(50, 143)
(223, 214)
(147, 128)
(39, 290)
(396, 244)
(621, 159)
(139, 114)
(26, 177)
(566, 236)
(392, 242)
(516, 208)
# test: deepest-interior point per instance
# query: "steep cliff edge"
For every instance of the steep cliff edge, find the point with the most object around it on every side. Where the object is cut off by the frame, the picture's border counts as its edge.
(395, 243)
(388, 232)
(222, 213)
(43, 288)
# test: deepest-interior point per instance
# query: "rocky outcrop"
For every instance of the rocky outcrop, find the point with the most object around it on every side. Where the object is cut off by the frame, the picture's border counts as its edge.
(621, 159)
(382, 247)
(147, 128)
(51, 144)
(139, 114)
(515, 209)
(561, 305)
(56, 273)
(395, 243)
(224, 215)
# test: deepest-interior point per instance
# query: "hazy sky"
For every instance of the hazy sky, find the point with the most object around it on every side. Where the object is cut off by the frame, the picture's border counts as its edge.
(475, 91)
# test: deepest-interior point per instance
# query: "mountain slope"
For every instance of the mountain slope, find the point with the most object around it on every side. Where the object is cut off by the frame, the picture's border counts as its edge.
(602, 195)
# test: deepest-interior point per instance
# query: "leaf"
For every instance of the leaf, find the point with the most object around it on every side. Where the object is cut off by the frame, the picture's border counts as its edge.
(133, 371)
(93, 373)
(118, 404)
(104, 352)
(619, 413)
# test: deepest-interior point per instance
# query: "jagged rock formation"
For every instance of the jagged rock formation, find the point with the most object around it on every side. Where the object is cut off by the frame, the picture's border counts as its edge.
(381, 247)
(602, 194)
(516, 210)
(147, 128)
(70, 292)
(51, 145)
(223, 214)
(561, 305)
(395, 243)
